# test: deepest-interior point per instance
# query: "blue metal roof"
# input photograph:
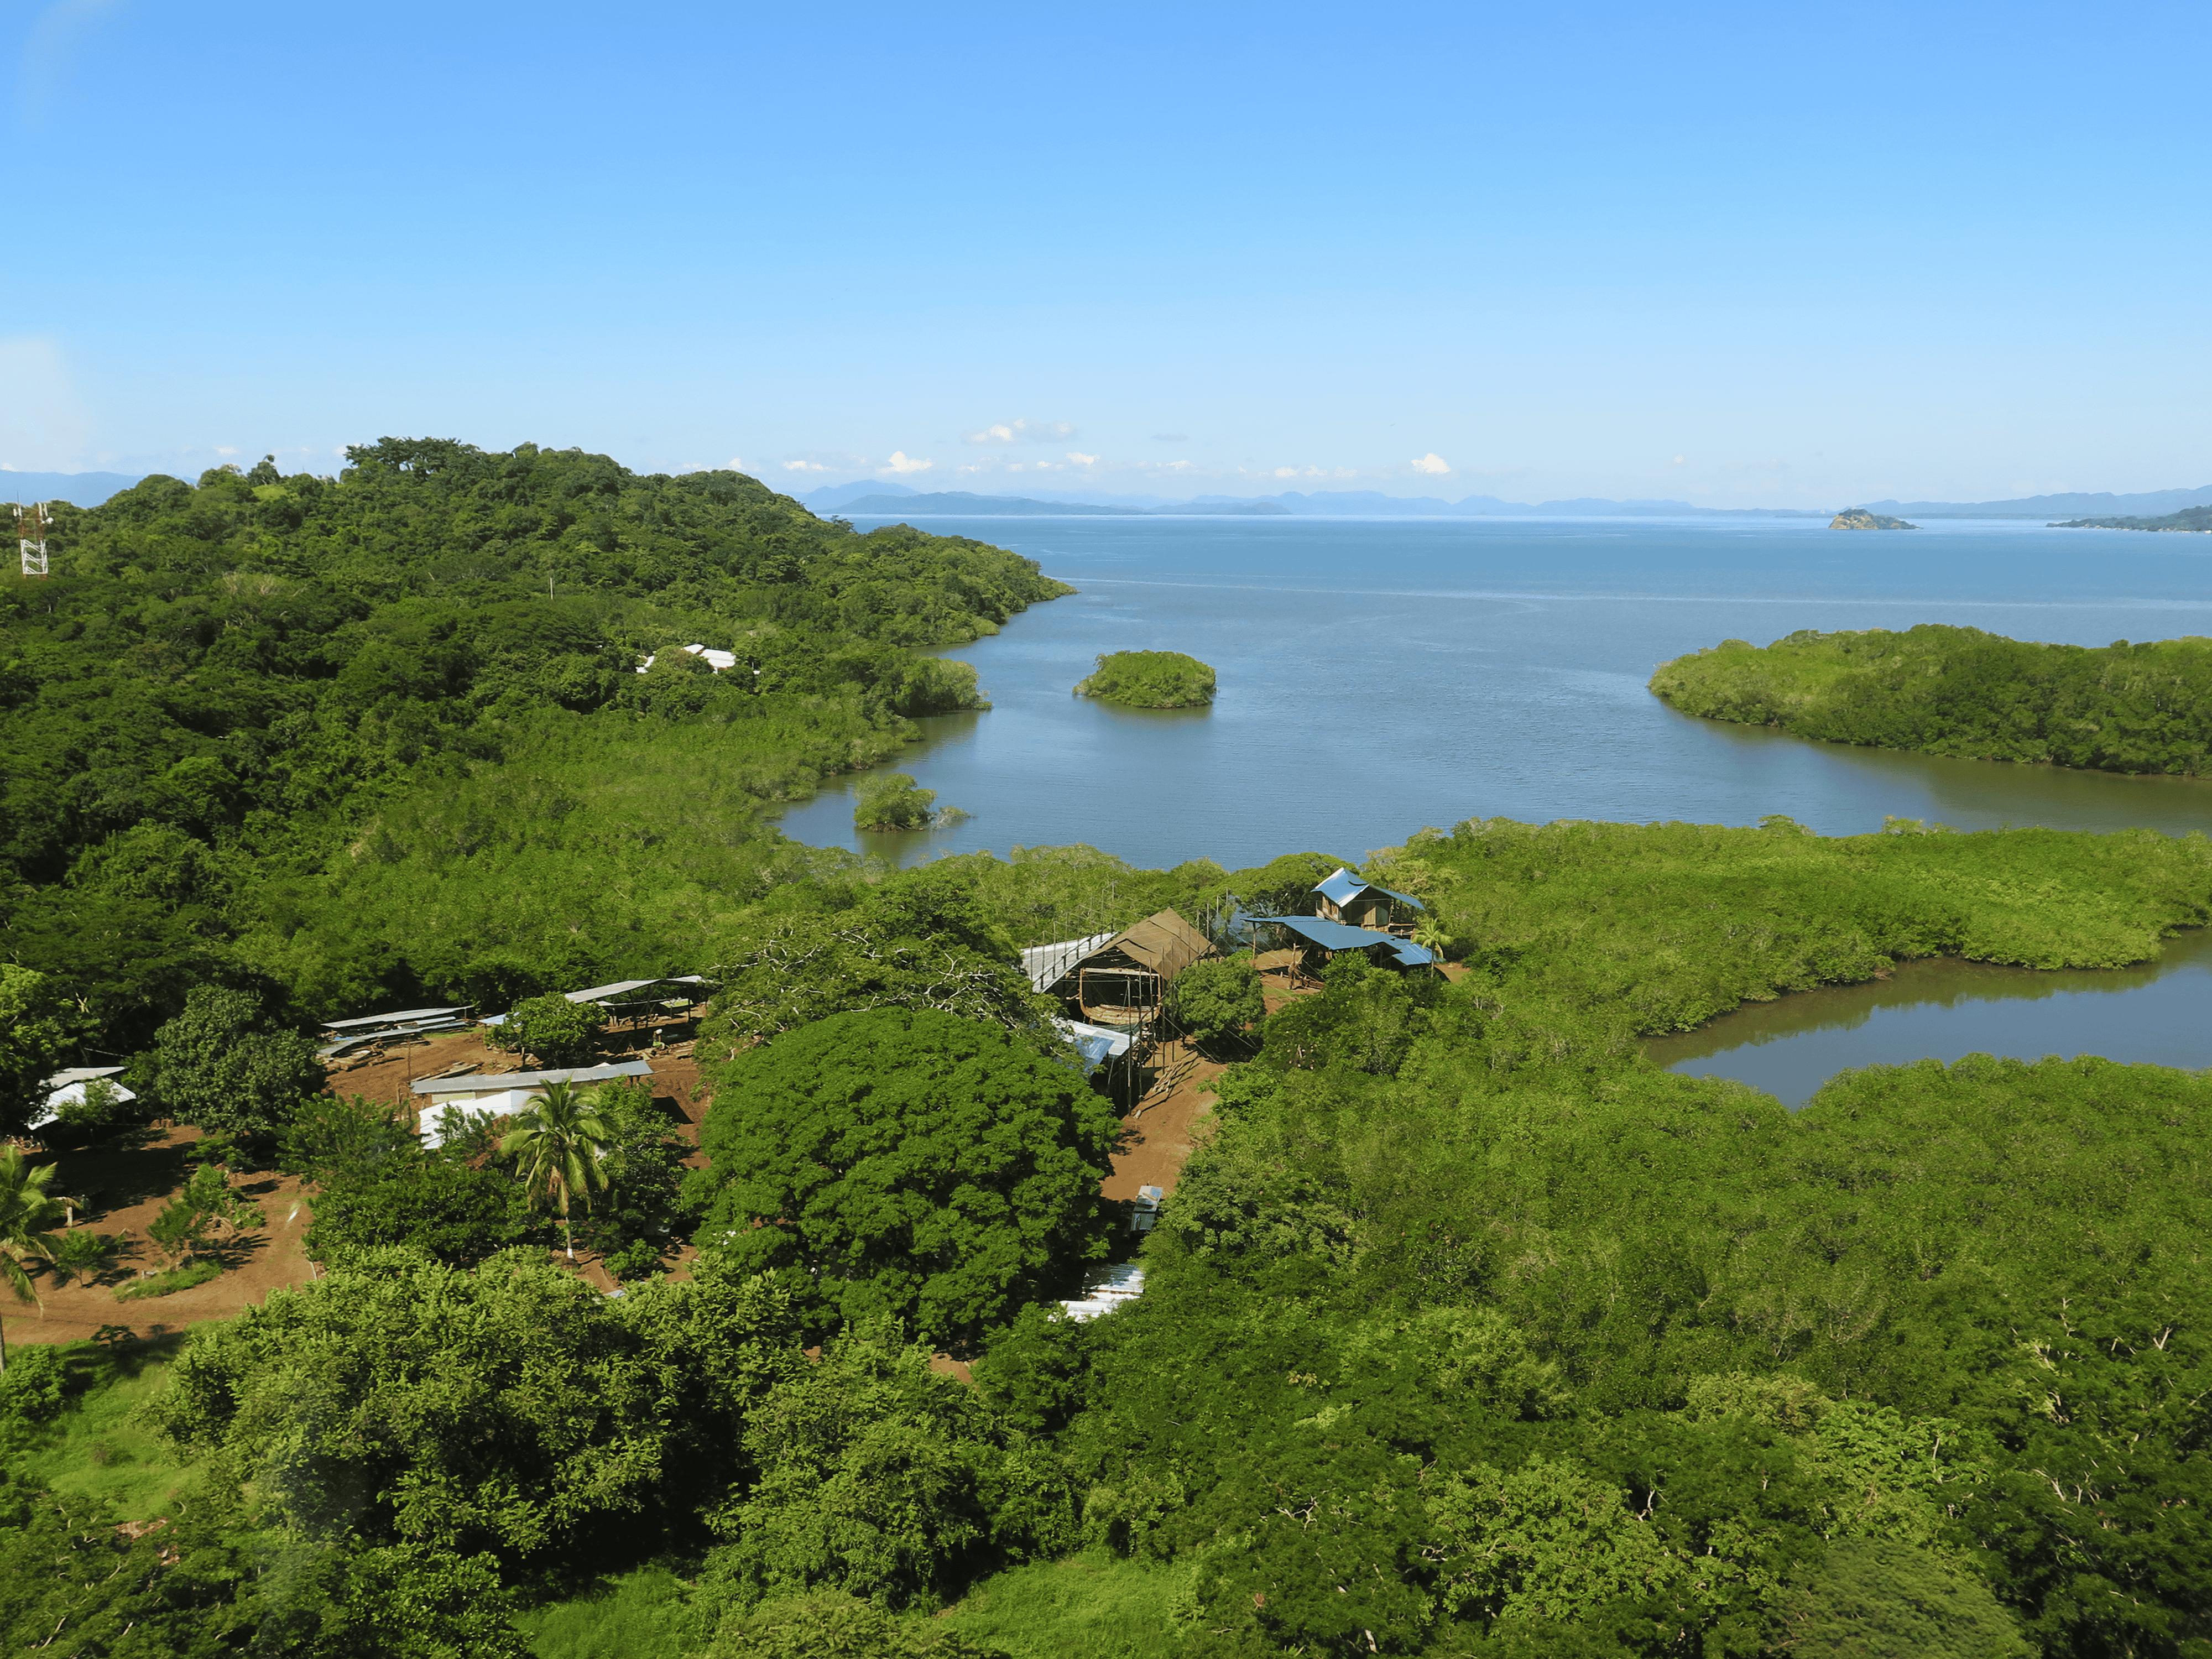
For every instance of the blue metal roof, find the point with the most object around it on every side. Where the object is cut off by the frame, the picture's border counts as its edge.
(1335, 936)
(1343, 887)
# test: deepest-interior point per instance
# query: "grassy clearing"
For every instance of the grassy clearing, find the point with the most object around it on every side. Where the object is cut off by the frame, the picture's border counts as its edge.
(98, 1448)
(168, 1284)
(1092, 1606)
(644, 1615)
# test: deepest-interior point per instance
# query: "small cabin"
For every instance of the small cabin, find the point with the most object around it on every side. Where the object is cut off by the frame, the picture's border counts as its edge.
(1344, 897)
(1118, 979)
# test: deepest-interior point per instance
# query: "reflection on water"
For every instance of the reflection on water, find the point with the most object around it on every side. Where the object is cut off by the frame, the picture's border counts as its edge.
(1943, 1008)
(1379, 676)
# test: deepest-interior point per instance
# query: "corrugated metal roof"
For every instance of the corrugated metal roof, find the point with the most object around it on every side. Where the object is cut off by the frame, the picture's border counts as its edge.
(404, 1017)
(1343, 887)
(67, 1088)
(1046, 963)
(477, 1085)
(1337, 936)
(717, 660)
(599, 993)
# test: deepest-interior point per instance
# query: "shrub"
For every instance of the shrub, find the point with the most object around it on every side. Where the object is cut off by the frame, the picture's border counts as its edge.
(557, 1032)
(224, 1065)
(1213, 1000)
(892, 802)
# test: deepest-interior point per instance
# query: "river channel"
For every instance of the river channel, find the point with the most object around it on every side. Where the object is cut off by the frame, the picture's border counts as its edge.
(1381, 675)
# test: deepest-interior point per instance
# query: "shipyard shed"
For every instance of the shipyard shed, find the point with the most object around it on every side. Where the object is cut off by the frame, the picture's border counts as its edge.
(1122, 979)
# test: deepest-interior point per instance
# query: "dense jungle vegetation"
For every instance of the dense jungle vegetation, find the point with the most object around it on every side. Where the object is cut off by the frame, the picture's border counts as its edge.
(379, 737)
(1959, 691)
(1467, 1332)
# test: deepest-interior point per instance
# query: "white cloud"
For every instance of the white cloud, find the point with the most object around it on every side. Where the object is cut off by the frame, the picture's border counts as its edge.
(802, 466)
(1679, 461)
(1432, 463)
(1021, 432)
(902, 462)
(1082, 459)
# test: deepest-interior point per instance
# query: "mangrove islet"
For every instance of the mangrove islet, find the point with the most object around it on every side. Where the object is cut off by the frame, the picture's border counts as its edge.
(1150, 679)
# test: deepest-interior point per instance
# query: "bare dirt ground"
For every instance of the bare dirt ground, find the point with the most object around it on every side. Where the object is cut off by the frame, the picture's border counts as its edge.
(128, 1184)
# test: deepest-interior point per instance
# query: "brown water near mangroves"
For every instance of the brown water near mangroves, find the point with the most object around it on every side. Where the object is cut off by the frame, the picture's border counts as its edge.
(1942, 1008)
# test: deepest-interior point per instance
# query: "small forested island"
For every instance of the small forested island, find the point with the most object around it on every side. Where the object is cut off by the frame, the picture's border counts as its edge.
(894, 801)
(1960, 691)
(2195, 518)
(1858, 518)
(1150, 679)
(470, 1184)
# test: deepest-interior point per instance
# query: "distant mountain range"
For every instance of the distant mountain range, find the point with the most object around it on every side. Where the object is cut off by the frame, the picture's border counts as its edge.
(78, 489)
(918, 503)
(2151, 503)
(871, 498)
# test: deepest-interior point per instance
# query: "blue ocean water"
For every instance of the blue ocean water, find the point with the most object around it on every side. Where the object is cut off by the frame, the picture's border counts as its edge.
(1377, 676)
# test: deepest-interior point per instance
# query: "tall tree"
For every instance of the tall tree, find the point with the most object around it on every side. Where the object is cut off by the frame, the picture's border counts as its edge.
(560, 1141)
(904, 1162)
(27, 1212)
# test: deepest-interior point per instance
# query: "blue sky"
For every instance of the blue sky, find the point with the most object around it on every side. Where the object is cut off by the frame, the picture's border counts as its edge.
(1730, 254)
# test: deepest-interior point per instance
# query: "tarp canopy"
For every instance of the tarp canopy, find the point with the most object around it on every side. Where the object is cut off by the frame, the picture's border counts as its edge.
(1164, 942)
(1343, 887)
(1097, 1043)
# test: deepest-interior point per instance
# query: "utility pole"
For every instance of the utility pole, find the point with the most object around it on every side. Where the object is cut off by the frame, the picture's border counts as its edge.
(32, 523)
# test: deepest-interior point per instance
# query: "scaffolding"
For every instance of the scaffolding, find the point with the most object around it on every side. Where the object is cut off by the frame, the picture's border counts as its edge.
(33, 520)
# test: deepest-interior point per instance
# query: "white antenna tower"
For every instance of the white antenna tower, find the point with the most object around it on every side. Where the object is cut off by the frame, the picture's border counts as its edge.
(32, 523)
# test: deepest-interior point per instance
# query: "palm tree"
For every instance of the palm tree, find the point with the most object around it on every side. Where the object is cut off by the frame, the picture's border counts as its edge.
(559, 1141)
(25, 1211)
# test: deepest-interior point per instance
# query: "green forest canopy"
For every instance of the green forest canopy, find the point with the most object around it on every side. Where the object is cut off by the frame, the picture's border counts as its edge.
(380, 735)
(1960, 691)
(1466, 1331)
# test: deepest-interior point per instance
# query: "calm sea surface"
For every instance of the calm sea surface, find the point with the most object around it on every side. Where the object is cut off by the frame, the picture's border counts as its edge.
(1379, 676)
